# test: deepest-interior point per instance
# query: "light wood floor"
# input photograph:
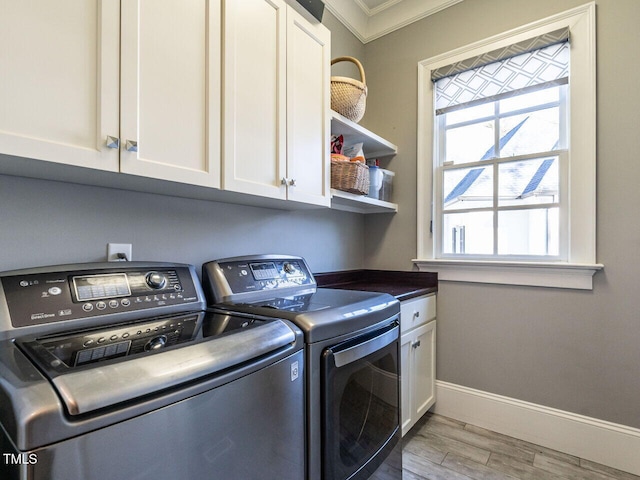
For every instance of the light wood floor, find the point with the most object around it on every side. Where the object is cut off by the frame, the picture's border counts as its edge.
(439, 448)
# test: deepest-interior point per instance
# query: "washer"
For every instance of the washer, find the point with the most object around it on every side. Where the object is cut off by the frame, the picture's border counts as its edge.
(117, 370)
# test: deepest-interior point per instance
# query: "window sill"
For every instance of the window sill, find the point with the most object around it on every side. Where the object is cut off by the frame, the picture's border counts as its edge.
(551, 274)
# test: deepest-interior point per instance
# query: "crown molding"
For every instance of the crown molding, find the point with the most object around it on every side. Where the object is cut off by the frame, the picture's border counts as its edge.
(369, 24)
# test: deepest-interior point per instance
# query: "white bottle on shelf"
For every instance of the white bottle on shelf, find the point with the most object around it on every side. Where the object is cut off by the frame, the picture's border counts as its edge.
(375, 181)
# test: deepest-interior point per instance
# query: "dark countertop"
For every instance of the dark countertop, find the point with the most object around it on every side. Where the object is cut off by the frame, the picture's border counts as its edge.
(402, 285)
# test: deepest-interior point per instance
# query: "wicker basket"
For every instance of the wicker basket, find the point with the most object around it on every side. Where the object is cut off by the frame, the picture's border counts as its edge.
(352, 177)
(348, 96)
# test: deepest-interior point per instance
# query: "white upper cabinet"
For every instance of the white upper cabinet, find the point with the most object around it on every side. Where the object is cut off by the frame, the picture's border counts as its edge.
(170, 103)
(59, 86)
(142, 87)
(276, 102)
(135, 90)
(254, 155)
(308, 100)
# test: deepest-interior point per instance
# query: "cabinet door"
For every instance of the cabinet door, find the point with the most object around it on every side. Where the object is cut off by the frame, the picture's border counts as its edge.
(308, 103)
(170, 120)
(254, 153)
(424, 369)
(59, 84)
(418, 357)
(406, 381)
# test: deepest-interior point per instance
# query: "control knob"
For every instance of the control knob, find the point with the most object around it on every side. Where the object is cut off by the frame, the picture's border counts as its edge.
(156, 342)
(289, 268)
(156, 280)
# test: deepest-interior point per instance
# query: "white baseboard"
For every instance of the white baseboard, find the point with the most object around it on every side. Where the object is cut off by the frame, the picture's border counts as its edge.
(602, 442)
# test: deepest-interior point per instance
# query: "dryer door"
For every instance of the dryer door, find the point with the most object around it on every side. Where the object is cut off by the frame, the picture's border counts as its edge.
(361, 404)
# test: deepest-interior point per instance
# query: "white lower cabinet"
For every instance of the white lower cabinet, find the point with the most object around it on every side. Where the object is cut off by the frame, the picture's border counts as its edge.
(418, 358)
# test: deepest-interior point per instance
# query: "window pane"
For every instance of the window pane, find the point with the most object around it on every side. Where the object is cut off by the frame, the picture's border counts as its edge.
(470, 233)
(529, 232)
(469, 143)
(532, 132)
(471, 113)
(528, 182)
(540, 97)
(468, 188)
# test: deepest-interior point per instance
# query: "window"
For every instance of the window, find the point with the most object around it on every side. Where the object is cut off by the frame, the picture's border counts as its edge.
(506, 153)
(499, 156)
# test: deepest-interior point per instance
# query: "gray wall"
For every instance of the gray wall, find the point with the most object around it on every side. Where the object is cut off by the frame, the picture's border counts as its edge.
(343, 43)
(45, 222)
(573, 350)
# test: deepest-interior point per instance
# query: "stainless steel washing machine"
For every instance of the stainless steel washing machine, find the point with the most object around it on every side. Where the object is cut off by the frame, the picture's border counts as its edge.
(117, 371)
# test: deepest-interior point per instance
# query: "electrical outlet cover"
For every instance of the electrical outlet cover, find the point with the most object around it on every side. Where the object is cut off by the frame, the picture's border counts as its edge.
(113, 249)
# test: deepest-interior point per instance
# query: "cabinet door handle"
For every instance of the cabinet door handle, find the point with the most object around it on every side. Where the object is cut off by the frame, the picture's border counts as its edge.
(113, 142)
(416, 314)
(131, 146)
(415, 344)
(286, 181)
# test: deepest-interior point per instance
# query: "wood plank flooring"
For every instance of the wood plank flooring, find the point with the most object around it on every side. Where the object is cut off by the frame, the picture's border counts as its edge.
(440, 448)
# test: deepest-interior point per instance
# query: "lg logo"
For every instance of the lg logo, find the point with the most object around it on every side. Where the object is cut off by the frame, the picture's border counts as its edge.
(20, 458)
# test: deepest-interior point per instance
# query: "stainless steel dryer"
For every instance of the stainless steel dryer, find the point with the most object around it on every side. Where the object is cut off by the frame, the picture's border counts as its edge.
(117, 371)
(352, 358)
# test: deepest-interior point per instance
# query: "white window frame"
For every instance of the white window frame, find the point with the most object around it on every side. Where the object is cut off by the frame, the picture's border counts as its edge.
(577, 271)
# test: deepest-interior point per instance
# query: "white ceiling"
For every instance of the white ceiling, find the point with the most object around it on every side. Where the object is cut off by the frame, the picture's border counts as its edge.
(371, 19)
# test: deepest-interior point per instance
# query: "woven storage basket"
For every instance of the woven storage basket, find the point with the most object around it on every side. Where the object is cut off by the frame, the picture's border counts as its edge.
(350, 177)
(349, 96)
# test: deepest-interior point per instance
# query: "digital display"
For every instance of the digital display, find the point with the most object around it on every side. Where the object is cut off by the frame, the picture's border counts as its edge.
(264, 271)
(95, 287)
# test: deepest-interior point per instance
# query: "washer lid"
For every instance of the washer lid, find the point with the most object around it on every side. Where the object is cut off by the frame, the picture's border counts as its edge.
(42, 408)
(109, 384)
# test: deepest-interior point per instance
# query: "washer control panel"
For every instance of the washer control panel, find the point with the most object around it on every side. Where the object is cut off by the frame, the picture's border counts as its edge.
(50, 296)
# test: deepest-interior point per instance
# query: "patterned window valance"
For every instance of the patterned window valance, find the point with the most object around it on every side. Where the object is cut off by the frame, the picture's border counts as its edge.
(536, 43)
(529, 64)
